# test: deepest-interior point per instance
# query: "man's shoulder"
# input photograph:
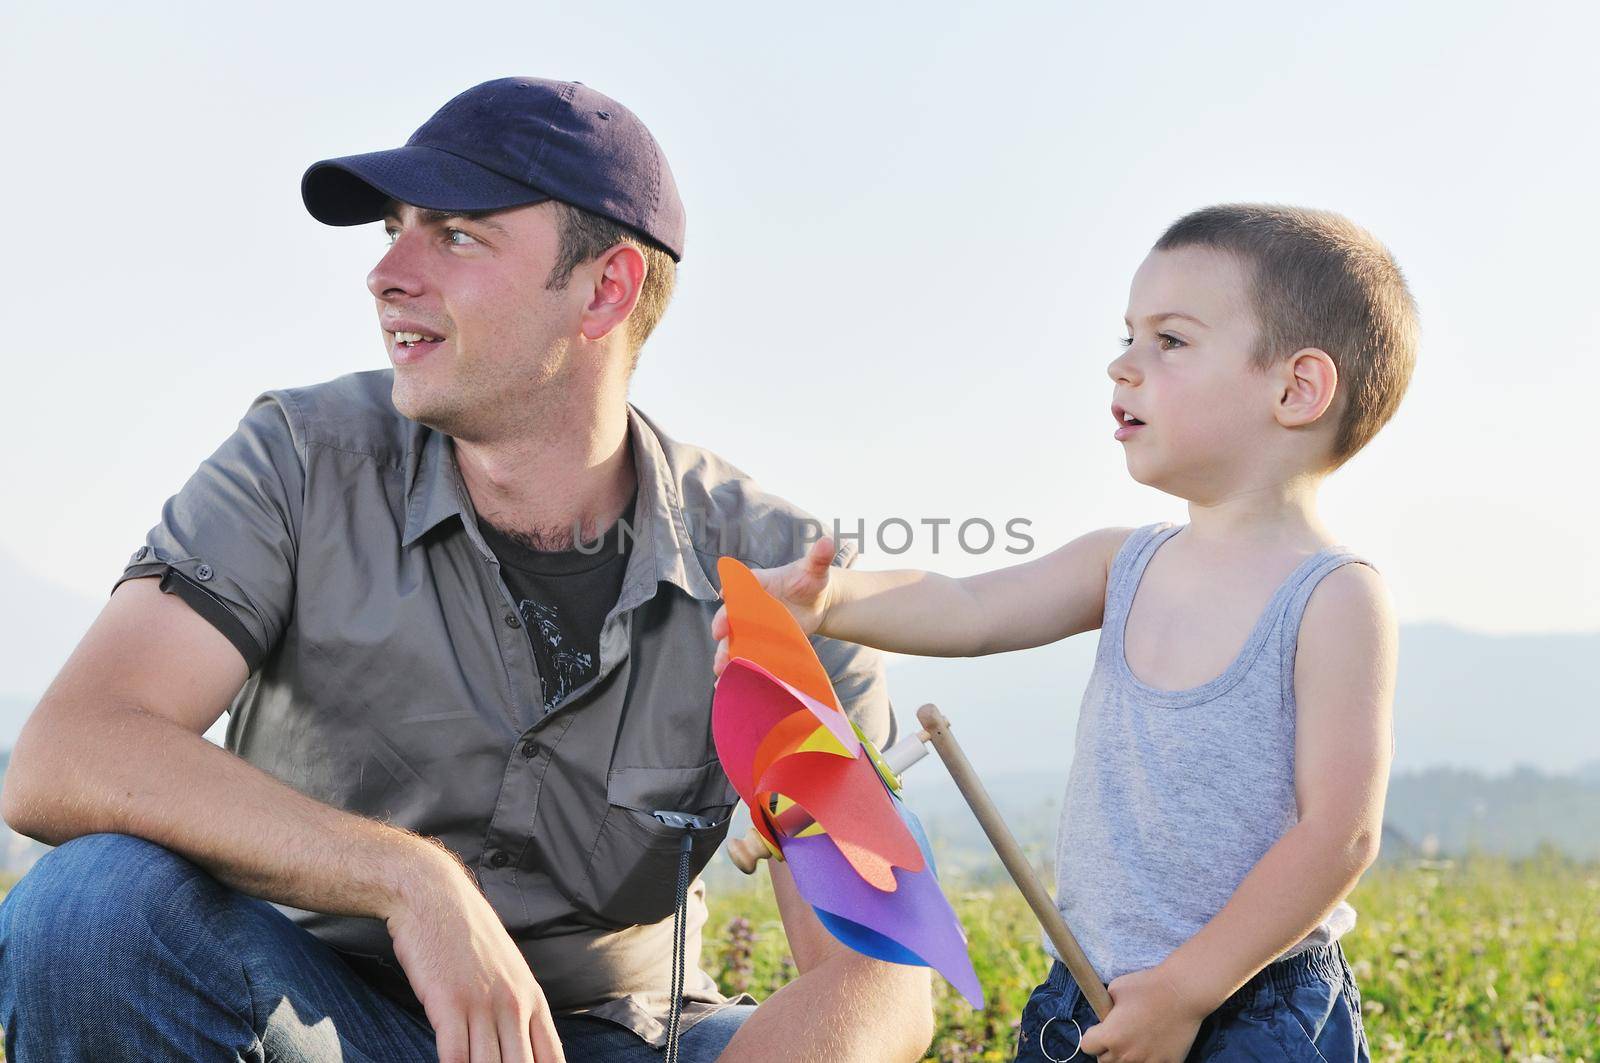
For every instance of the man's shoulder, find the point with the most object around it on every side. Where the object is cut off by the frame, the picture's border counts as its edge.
(353, 413)
(728, 513)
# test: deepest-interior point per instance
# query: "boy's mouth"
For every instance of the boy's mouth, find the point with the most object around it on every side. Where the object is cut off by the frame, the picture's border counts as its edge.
(1127, 423)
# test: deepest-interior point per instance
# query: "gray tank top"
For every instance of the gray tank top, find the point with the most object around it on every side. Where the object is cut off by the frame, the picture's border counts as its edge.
(1173, 796)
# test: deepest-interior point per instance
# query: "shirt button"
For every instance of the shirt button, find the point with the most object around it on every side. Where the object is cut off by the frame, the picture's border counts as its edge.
(512, 620)
(137, 554)
(498, 858)
(202, 573)
(530, 748)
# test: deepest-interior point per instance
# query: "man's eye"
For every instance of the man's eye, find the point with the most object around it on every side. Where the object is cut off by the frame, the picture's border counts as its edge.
(1168, 338)
(390, 236)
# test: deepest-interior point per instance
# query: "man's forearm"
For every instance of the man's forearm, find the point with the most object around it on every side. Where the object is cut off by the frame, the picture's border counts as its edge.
(843, 1008)
(83, 769)
(847, 1009)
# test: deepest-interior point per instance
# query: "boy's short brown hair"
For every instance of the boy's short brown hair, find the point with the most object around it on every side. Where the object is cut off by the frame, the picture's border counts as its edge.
(1319, 280)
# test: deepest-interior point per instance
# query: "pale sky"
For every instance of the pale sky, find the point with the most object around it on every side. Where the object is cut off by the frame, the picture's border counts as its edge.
(909, 244)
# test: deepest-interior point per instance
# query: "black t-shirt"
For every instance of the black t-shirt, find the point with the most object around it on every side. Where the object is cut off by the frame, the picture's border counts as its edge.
(564, 597)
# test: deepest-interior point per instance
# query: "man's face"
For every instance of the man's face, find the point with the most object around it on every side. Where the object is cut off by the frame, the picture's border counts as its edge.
(478, 283)
(1186, 374)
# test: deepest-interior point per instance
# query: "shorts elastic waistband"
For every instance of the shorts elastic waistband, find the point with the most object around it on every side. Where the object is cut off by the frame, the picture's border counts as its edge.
(1322, 963)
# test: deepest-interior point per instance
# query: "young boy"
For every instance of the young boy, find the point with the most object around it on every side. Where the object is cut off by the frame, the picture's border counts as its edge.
(1233, 747)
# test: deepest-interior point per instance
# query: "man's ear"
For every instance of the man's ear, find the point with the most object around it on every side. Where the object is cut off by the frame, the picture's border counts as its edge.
(1308, 381)
(617, 277)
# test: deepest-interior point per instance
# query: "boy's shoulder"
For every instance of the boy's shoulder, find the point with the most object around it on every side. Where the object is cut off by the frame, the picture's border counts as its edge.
(1348, 637)
(1349, 598)
(1107, 543)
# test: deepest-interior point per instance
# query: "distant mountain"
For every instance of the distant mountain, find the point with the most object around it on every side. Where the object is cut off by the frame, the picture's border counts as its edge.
(1441, 812)
(1449, 811)
(13, 714)
(1467, 700)
(1437, 812)
(17, 851)
(41, 624)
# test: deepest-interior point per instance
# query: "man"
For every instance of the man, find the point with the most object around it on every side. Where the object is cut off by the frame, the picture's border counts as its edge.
(459, 612)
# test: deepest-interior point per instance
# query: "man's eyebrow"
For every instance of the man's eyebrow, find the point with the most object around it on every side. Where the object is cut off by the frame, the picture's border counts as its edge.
(481, 217)
(1154, 319)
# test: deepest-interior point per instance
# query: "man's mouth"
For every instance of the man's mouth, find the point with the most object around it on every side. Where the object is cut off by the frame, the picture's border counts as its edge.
(414, 339)
(413, 346)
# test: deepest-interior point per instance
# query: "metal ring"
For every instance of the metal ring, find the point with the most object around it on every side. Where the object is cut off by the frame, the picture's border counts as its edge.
(1046, 1051)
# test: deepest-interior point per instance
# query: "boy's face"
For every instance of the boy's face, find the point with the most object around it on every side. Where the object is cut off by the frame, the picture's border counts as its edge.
(1185, 373)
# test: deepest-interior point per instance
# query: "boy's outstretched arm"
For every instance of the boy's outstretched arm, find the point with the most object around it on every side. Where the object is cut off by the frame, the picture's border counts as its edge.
(1344, 680)
(925, 613)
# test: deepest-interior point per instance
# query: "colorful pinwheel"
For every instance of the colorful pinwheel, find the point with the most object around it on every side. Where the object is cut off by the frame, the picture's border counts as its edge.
(820, 796)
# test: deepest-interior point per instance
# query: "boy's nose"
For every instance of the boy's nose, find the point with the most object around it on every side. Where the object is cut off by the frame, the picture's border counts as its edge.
(1122, 370)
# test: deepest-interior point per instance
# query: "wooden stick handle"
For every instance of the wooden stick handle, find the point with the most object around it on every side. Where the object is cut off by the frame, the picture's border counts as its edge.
(747, 852)
(937, 728)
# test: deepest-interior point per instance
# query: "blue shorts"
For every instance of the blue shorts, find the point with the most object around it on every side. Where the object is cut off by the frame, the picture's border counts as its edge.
(1303, 1007)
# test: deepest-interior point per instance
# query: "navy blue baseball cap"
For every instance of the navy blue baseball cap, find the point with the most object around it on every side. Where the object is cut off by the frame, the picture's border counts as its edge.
(507, 143)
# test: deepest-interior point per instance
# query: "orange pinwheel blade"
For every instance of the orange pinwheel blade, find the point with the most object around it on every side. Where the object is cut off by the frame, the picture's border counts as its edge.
(761, 629)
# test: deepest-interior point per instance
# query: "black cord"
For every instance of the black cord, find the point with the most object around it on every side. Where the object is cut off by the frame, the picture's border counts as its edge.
(679, 945)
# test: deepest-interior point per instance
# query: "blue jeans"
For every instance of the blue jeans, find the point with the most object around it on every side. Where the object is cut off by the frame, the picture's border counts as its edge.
(1304, 1007)
(113, 947)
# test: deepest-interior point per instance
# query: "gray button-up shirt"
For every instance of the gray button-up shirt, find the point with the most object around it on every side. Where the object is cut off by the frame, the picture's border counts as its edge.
(333, 541)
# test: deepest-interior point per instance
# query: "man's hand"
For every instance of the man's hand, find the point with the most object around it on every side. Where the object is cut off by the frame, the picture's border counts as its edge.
(1149, 1022)
(476, 988)
(803, 587)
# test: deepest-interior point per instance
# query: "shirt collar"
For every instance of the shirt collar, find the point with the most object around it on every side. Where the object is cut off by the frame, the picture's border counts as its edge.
(662, 545)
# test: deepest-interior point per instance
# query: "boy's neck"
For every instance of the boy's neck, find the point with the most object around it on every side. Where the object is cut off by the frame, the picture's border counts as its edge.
(1272, 515)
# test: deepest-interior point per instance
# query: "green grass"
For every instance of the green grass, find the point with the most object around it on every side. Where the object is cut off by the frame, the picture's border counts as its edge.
(1473, 959)
(1480, 958)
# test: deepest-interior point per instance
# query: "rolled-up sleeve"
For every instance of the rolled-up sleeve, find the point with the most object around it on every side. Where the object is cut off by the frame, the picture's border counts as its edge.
(227, 542)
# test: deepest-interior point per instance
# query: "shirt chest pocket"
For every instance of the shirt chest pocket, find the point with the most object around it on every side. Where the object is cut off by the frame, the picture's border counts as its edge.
(631, 876)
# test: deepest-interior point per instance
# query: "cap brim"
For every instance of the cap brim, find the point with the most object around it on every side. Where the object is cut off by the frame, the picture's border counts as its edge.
(352, 190)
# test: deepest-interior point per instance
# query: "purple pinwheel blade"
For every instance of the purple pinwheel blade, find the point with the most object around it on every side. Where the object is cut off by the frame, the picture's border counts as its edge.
(915, 916)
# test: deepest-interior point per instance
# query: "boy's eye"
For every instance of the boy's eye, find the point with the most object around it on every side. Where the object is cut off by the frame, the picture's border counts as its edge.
(1165, 338)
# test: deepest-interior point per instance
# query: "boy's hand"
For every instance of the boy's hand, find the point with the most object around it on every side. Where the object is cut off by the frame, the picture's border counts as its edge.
(802, 586)
(1149, 1022)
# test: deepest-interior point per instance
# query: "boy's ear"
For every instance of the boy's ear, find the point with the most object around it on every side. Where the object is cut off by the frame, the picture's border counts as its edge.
(1307, 380)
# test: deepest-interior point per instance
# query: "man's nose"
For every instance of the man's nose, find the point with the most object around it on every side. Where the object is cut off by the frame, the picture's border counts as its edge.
(400, 270)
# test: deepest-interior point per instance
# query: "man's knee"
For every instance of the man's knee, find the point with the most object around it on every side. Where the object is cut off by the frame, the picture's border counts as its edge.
(89, 899)
(109, 938)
